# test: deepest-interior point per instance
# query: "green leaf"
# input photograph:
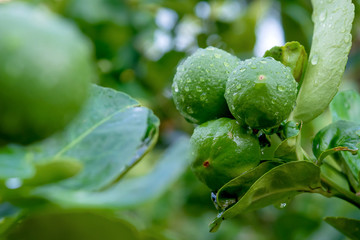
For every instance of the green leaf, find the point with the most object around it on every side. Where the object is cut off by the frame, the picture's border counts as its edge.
(111, 135)
(56, 170)
(279, 183)
(346, 106)
(72, 226)
(339, 136)
(349, 227)
(328, 56)
(15, 162)
(127, 192)
(238, 186)
(287, 149)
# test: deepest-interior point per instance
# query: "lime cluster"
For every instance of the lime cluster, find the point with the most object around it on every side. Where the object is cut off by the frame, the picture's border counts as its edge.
(45, 73)
(260, 93)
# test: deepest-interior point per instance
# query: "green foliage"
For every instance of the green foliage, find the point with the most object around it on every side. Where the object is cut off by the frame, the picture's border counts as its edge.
(349, 227)
(279, 183)
(346, 106)
(328, 56)
(338, 136)
(91, 165)
(72, 226)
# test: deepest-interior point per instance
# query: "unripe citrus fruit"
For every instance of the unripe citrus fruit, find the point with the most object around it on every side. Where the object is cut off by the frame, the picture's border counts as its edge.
(45, 72)
(199, 84)
(261, 93)
(221, 151)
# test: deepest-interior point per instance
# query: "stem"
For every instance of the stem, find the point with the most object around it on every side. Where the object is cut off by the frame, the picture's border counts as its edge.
(339, 192)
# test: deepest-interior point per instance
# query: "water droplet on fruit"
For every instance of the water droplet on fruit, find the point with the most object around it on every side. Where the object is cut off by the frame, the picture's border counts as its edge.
(203, 97)
(238, 86)
(189, 110)
(282, 205)
(263, 62)
(281, 88)
(188, 80)
(198, 89)
(216, 55)
(314, 59)
(242, 69)
(226, 64)
(176, 88)
(322, 16)
(187, 88)
(342, 29)
(253, 66)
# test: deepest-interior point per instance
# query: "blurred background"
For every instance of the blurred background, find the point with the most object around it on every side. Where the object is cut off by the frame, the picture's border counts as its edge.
(137, 46)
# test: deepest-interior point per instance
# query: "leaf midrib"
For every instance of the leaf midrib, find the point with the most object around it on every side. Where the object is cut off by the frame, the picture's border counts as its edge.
(87, 132)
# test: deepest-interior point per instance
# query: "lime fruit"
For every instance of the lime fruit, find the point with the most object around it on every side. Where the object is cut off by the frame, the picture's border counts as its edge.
(221, 151)
(45, 72)
(199, 84)
(261, 93)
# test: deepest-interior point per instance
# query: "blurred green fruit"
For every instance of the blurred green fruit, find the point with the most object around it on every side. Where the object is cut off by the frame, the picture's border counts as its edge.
(45, 72)
(222, 150)
(199, 84)
(261, 93)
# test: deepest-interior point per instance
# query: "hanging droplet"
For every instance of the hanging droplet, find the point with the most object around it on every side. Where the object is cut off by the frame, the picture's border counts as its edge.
(314, 59)
(322, 16)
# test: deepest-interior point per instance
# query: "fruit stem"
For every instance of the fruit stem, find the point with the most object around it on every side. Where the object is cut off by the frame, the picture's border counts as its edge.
(336, 191)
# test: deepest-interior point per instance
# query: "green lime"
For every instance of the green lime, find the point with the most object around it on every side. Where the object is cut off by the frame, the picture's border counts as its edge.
(199, 84)
(45, 72)
(261, 93)
(221, 151)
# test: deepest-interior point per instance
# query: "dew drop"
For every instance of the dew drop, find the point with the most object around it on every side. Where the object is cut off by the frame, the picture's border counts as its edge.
(211, 64)
(263, 62)
(203, 97)
(280, 88)
(226, 64)
(176, 88)
(242, 69)
(187, 88)
(314, 59)
(188, 80)
(198, 89)
(13, 183)
(253, 66)
(190, 110)
(322, 16)
(282, 205)
(216, 55)
(238, 86)
(342, 29)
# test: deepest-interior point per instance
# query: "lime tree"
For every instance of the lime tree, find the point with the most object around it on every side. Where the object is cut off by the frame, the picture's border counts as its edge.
(261, 93)
(44, 72)
(222, 150)
(199, 84)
